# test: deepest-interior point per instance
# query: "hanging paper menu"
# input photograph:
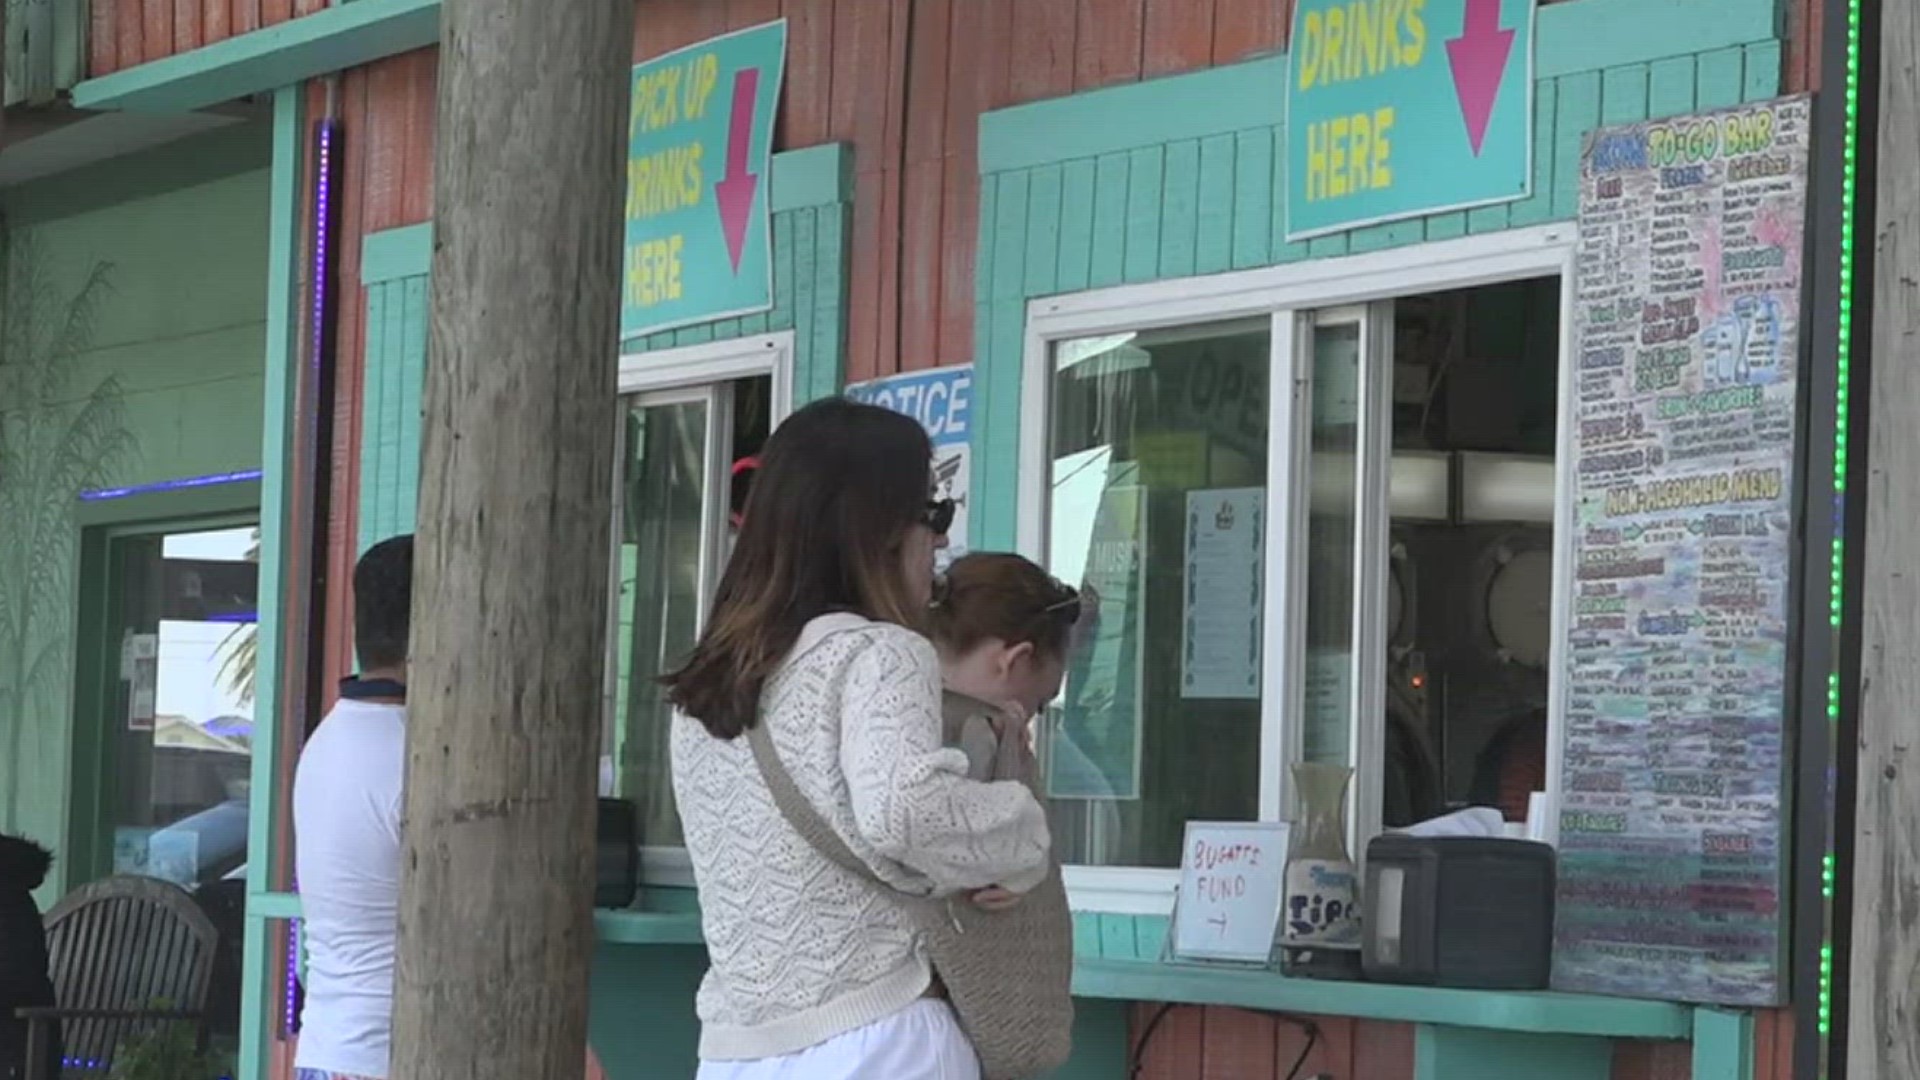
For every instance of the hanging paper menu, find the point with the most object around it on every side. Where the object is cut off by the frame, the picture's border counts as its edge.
(1672, 811)
(1220, 630)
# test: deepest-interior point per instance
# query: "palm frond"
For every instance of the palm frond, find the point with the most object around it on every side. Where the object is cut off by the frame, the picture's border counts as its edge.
(74, 334)
(42, 676)
(241, 646)
(57, 438)
(94, 442)
(240, 662)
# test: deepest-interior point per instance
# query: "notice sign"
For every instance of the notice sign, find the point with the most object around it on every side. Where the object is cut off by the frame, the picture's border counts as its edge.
(1401, 108)
(1687, 336)
(942, 400)
(1230, 891)
(699, 144)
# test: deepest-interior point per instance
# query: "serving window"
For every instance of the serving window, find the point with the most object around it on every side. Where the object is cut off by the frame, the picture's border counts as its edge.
(1144, 425)
(690, 425)
(1315, 517)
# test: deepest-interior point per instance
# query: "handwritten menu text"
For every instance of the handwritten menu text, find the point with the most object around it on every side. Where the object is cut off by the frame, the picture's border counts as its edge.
(1687, 327)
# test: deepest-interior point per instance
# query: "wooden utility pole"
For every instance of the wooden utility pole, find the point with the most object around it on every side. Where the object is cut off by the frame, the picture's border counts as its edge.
(1883, 1000)
(510, 572)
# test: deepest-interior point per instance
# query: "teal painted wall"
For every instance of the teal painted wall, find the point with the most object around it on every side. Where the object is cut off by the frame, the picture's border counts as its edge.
(812, 211)
(810, 299)
(396, 365)
(1184, 177)
(172, 364)
(643, 1025)
(1109, 211)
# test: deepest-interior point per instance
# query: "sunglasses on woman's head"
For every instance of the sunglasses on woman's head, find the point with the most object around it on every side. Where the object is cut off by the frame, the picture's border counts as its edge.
(938, 515)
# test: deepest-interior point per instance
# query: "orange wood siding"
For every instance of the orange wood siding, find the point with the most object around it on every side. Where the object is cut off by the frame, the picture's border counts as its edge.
(1218, 1043)
(1653, 1061)
(1806, 21)
(123, 33)
(1024, 50)
(1213, 1043)
(1773, 1045)
(386, 113)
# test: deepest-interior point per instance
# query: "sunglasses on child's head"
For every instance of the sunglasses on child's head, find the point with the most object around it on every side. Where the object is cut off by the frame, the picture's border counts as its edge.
(1066, 608)
(938, 515)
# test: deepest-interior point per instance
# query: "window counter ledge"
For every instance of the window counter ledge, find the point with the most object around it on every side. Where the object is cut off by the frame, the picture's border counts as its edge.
(1098, 977)
(668, 923)
(1269, 991)
(642, 927)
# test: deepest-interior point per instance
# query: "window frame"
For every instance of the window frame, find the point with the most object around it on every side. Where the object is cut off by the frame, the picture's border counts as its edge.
(87, 830)
(667, 376)
(1295, 296)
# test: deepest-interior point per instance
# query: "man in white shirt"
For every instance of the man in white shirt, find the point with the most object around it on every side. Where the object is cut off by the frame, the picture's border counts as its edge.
(346, 822)
(347, 797)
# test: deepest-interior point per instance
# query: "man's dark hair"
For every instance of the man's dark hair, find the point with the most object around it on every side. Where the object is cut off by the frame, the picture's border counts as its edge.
(383, 603)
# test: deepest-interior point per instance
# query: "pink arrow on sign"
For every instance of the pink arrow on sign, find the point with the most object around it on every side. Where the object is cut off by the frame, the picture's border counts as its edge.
(1479, 57)
(734, 192)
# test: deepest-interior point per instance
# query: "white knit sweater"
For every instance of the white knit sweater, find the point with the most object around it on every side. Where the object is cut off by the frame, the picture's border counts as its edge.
(800, 949)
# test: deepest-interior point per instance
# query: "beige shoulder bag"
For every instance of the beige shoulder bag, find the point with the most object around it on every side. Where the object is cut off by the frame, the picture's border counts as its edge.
(1008, 973)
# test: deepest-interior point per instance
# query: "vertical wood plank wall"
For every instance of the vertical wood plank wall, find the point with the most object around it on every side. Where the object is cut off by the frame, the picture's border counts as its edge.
(1159, 211)
(386, 112)
(905, 82)
(123, 33)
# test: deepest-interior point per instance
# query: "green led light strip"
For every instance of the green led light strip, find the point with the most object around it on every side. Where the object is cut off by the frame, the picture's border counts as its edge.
(1836, 570)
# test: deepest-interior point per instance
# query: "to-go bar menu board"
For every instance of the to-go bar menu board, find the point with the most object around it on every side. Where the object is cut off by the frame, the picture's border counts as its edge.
(1672, 808)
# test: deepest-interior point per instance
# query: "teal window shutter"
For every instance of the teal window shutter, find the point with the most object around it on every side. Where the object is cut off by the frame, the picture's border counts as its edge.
(393, 267)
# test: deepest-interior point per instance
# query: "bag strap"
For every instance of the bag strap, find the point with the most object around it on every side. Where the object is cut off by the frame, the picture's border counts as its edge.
(800, 813)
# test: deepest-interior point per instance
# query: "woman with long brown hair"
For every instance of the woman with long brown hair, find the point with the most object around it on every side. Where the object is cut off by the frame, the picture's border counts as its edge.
(814, 641)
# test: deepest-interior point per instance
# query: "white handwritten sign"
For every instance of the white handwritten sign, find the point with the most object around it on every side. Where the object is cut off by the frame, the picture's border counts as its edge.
(1230, 891)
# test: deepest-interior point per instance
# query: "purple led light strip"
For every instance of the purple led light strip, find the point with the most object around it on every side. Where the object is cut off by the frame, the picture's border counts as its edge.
(293, 973)
(322, 241)
(240, 476)
(322, 246)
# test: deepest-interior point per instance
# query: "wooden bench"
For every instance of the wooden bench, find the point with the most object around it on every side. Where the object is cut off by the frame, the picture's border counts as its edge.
(127, 954)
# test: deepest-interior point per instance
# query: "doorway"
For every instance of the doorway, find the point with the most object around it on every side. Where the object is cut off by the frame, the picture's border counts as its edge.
(164, 720)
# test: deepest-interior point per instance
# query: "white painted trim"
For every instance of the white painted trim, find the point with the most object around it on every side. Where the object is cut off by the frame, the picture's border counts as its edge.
(1372, 572)
(1445, 264)
(1291, 564)
(1121, 890)
(1281, 696)
(1036, 467)
(610, 663)
(1282, 292)
(678, 395)
(716, 490)
(1565, 526)
(714, 361)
